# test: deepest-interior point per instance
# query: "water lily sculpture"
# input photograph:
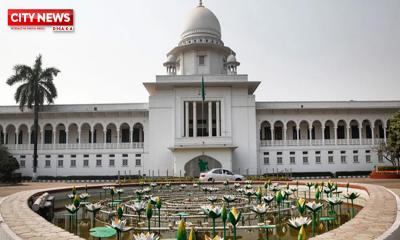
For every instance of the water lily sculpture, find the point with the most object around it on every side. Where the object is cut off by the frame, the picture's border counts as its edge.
(213, 212)
(268, 199)
(234, 217)
(74, 208)
(138, 207)
(279, 200)
(112, 192)
(139, 194)
(314, 207)
(212, 199)
(181, 233)
(260, 210)
(301, 205)
(333, 201)
(275, 188)
(236, 185)
(249, 193)
(298, 222)
(149, 214)
(93, 208)
(229, 199)
(84, 196)
(118, 224)
(352, 196)
(119, 191)
(147, 236)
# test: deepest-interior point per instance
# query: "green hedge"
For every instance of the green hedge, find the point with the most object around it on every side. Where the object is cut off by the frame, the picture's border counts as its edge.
(388, 168)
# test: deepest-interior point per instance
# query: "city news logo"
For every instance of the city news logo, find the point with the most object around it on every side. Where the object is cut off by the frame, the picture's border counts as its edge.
(60, 20)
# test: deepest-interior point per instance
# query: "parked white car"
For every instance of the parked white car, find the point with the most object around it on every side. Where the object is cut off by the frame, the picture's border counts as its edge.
(220, 174)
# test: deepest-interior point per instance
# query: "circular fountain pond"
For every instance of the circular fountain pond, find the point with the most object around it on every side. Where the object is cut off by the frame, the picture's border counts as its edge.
(258, 211)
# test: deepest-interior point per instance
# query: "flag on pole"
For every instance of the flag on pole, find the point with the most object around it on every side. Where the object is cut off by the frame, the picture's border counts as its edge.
(202, 89)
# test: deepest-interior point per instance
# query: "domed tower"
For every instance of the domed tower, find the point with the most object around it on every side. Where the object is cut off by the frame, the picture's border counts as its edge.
(200, 50)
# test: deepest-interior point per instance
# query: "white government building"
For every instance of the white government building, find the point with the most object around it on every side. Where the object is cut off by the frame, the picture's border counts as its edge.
(170, 133)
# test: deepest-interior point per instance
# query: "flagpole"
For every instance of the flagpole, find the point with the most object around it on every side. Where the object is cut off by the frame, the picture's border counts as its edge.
(202, 110)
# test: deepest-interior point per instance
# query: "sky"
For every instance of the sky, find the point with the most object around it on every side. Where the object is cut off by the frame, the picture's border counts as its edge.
(307, 50)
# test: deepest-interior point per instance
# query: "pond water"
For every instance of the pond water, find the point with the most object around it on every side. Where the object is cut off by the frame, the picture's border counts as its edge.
(189, 200)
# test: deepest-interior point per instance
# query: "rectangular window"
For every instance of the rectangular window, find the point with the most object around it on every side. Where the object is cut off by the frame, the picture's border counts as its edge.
(305, 152)
(22, 163)
(124, 162)
(342, 152)
(343, 159)
(279, 153)
(355, 158)
(138, 162)
(355, 151)
(292, 153)
(292, 160)
(330, 152)
(98, 155)
(317, 152)
(138, 155)
(73, 156)
(318, 159)
(111, 155)
(124, 155)
(305, 160)
(112, 163)
(367, 151)
(98, 163)
(86, 163)
(60, 163)
(368, 158)
(279, 160)
(48, 156)
(22, 156)
(47, 163)
(202, 60)
(86, 155)
(60, 156)
(266, 160)
(73, 163)
(266, 153)
(330, 159)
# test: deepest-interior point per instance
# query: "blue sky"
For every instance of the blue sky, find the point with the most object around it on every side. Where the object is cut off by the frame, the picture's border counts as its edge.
(299, 50)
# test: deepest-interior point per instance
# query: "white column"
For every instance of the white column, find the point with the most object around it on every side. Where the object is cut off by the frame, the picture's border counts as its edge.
(92, 133)
(218, 112)
(186, 119)
(272, 136)
(348, 135)
(66, 138)
(194, 120)
(360, 133)
(16, 138)
(4, 137)
(42, 138)
(284, 136)
(384, 134)
(131, 136)
(80, 138)
(118, 136)
(105, 137)
(310, 133)
(323, 135)
(262, 132)
(335, 134)
(298, 135)
(373, 135)
(210, 119)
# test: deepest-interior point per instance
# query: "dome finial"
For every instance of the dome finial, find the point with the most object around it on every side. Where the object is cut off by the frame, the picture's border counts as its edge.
(200, 3)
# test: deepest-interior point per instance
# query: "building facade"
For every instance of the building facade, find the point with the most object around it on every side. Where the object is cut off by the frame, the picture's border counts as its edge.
(178, 127)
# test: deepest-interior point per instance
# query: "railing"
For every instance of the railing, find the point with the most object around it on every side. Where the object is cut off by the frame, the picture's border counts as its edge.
(319, 142)
(60, 146)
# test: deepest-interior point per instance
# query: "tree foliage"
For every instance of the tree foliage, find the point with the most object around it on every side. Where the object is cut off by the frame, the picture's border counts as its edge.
(391, 149)
(8, 164)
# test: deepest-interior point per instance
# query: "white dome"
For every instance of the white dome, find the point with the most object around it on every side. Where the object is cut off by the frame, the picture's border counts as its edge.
(201, 22)
(171, 58)
(231, 58)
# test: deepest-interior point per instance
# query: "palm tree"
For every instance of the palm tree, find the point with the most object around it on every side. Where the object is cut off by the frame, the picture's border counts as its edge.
(36, 87)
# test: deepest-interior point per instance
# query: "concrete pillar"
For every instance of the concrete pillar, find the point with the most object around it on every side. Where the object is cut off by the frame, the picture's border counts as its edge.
(66, 138)
(272, 136)
(373, 135)
(384, 134)
(210, 119)
(194, 120)
(310, 133)
(218, 112)
(323, 135)
(360, 133)
(117, 136)
(298, 135)
(348, 135)
(186, 119)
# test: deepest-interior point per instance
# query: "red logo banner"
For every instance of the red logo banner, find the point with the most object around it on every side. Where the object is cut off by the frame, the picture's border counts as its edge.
(40, 17)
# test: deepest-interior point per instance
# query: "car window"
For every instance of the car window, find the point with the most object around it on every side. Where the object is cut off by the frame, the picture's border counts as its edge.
(217, 171)
(228, 172)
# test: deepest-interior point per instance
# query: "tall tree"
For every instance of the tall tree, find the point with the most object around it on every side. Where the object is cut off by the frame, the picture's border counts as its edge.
(36, 87)
(391, 149)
